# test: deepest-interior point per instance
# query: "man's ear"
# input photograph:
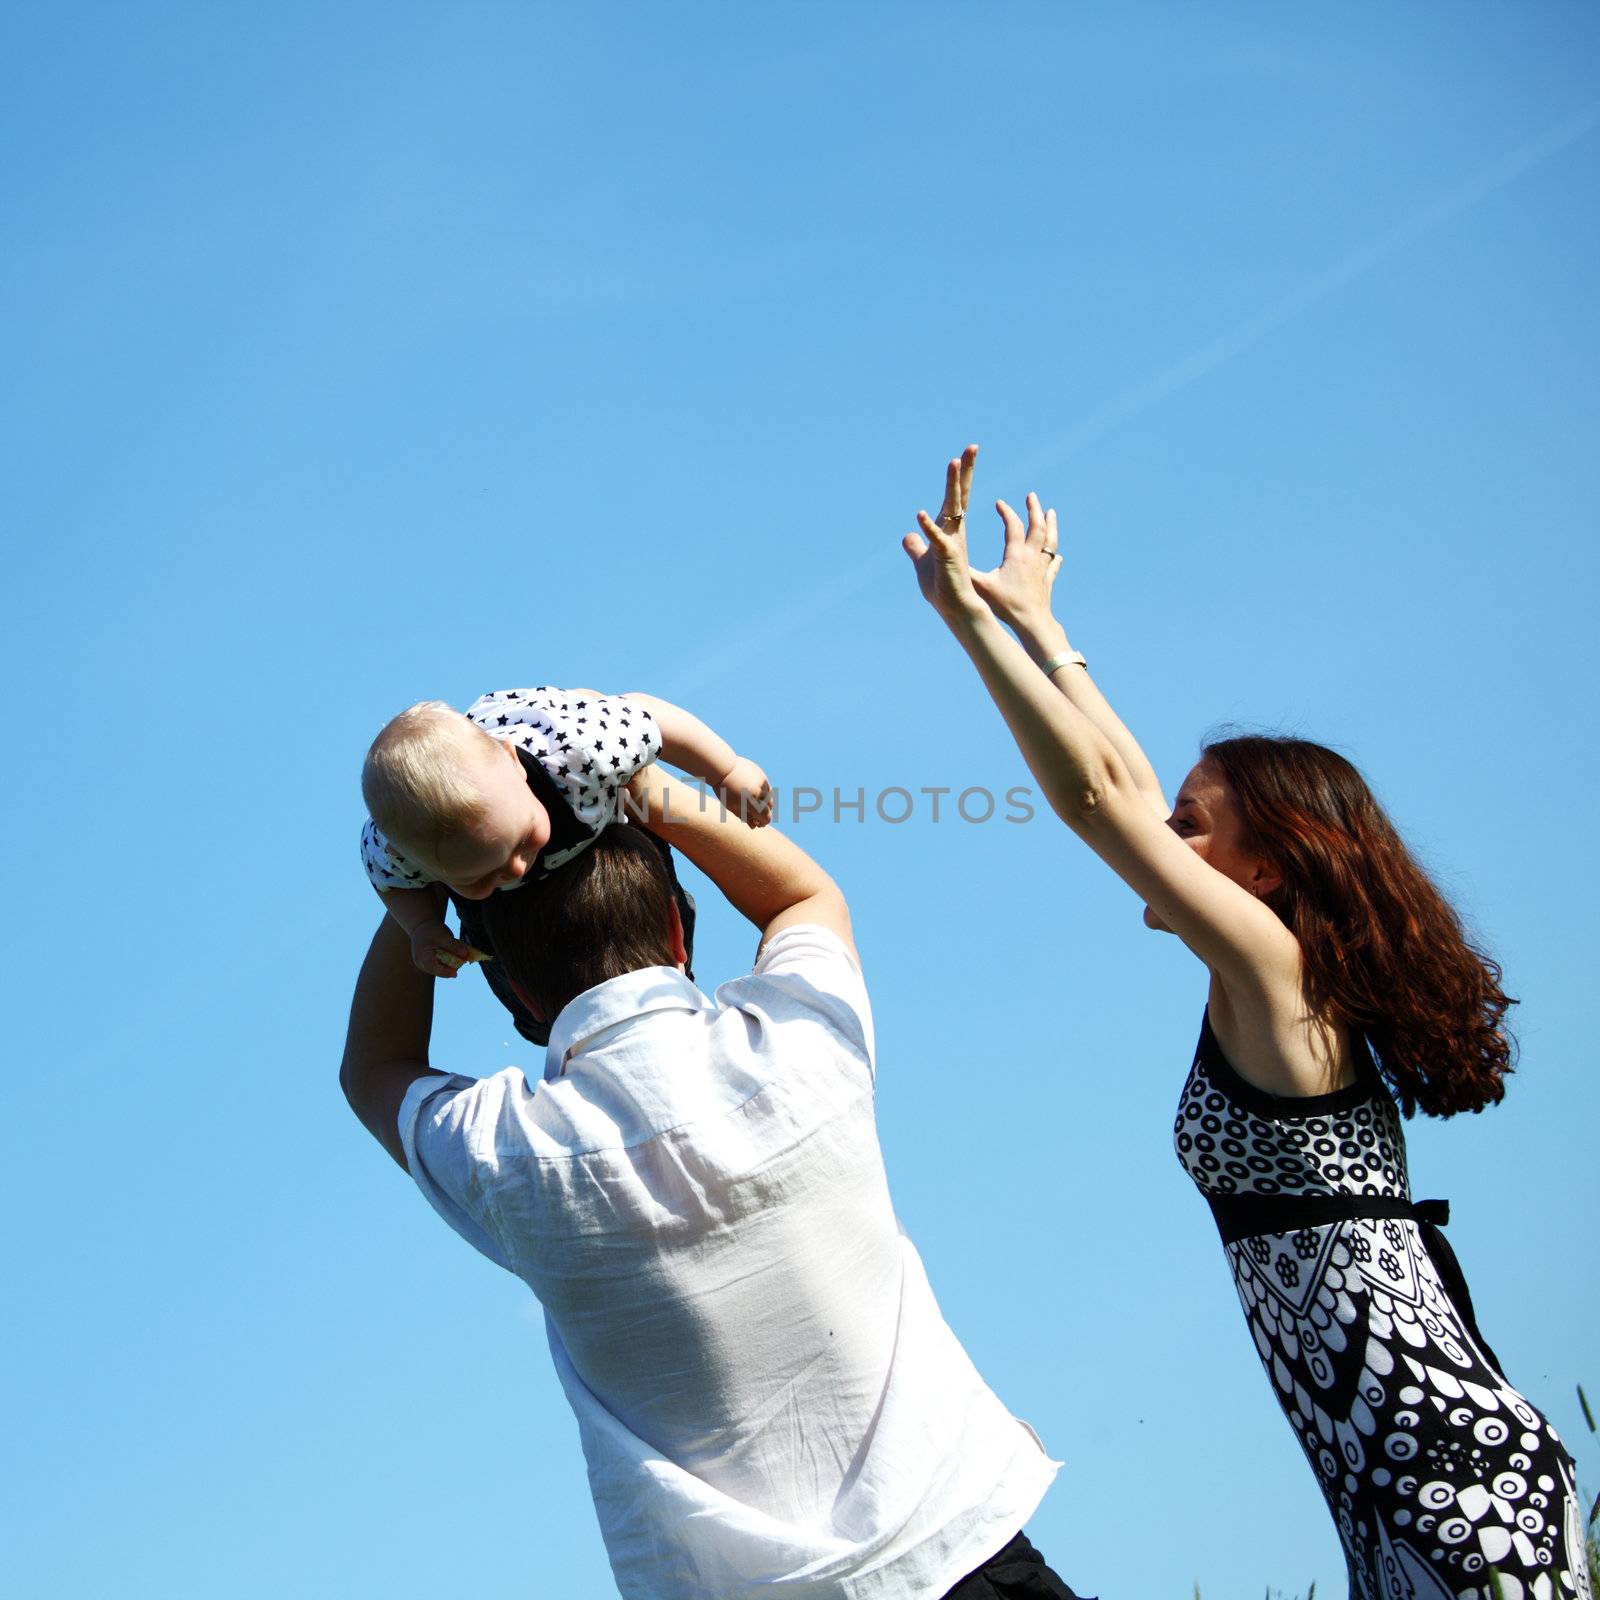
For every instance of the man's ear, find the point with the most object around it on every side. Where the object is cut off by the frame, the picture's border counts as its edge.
(680, 951)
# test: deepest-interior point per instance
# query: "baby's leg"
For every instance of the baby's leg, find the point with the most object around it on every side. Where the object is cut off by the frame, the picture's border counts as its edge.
(474, 932)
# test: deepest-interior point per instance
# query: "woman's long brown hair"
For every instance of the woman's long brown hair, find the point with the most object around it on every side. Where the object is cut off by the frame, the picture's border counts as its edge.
(1384, 952)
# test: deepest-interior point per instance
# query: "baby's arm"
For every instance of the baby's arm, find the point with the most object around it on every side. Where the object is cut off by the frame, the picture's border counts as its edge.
(416, 903)
(688, 744)
(420, 912)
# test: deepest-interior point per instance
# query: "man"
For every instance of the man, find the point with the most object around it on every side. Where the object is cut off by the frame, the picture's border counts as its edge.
(768, 1398)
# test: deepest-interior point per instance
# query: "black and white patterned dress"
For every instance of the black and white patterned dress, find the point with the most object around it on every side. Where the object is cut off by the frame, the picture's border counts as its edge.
(1435, 1469)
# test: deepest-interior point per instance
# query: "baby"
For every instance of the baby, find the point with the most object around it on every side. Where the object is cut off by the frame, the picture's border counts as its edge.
(466, 805)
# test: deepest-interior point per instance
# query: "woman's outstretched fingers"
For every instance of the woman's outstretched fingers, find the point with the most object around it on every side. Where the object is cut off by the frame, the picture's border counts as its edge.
(1035, 521)
(1011, 527)
(953, 507)
(958, 486)
(938, 552)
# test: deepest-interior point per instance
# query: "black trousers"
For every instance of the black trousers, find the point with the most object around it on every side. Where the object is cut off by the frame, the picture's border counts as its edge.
(473, 932)
(1016, 1573)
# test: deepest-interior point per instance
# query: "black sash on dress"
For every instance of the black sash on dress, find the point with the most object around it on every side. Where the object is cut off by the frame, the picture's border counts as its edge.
(1244, 1216)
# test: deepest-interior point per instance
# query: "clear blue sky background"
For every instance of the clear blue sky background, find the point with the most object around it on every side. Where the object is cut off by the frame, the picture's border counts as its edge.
(358, 353)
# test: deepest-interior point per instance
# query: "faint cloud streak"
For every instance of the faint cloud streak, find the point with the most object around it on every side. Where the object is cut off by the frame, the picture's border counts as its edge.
(749, 643)
(745, 648)
(1207, 358)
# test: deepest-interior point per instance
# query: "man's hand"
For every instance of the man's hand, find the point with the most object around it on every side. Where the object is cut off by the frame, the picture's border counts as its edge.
(437, 951)
(747, 793)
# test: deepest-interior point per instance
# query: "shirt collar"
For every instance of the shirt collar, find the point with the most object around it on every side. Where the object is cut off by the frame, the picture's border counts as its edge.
(634, 994)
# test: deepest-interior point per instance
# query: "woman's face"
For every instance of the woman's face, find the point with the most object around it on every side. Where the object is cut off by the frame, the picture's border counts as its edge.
(1207, 818)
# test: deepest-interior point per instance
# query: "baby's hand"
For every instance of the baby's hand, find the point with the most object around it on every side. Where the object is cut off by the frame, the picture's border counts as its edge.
(437, 951)
(745, 790)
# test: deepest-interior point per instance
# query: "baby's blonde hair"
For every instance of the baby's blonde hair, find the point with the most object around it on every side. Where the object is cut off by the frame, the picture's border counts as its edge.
(418, 778)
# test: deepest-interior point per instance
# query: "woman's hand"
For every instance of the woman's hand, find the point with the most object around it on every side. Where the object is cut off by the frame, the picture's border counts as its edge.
(1018, 590)
(939, 552)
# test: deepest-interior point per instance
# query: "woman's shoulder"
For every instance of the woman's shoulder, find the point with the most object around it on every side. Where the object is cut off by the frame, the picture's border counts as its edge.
(1255, 1074)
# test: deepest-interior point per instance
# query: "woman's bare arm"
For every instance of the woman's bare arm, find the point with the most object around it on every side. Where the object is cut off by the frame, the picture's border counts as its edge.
(1019, 592)
(1089, 784)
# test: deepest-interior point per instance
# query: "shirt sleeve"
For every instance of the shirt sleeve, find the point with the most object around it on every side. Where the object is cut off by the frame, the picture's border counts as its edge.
(817, 973)
(591, 744)
(445, 1125)
(388, 867)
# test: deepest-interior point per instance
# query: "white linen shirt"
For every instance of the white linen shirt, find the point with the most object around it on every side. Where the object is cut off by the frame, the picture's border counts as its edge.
(590, 744)
(769, 1401)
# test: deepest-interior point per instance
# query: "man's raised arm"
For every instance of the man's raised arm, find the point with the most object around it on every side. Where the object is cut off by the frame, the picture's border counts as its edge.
(386, 1047)
(763, 875)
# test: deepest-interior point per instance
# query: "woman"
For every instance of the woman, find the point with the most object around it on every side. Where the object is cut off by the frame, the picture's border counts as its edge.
(1341, 982)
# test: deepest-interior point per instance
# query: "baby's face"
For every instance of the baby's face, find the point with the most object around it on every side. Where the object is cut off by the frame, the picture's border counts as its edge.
(500, 846)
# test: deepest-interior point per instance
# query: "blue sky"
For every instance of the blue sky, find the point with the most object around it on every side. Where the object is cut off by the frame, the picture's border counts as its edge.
(360, 353)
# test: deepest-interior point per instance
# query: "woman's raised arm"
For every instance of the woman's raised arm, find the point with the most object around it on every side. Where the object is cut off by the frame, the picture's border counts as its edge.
(1019, 592)
(1089, 782)
(1072, 759)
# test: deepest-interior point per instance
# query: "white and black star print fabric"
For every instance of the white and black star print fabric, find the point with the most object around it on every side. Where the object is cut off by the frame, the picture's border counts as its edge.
(589, 744)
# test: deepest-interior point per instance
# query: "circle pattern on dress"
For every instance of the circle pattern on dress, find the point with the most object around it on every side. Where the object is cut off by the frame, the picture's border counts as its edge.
(1441, 1478)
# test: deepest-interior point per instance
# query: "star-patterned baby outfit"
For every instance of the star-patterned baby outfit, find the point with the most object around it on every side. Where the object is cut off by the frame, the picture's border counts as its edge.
(577, 751)
(587, 745)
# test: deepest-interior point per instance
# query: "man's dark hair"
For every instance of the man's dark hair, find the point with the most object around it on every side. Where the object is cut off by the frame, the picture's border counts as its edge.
(604, 913)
